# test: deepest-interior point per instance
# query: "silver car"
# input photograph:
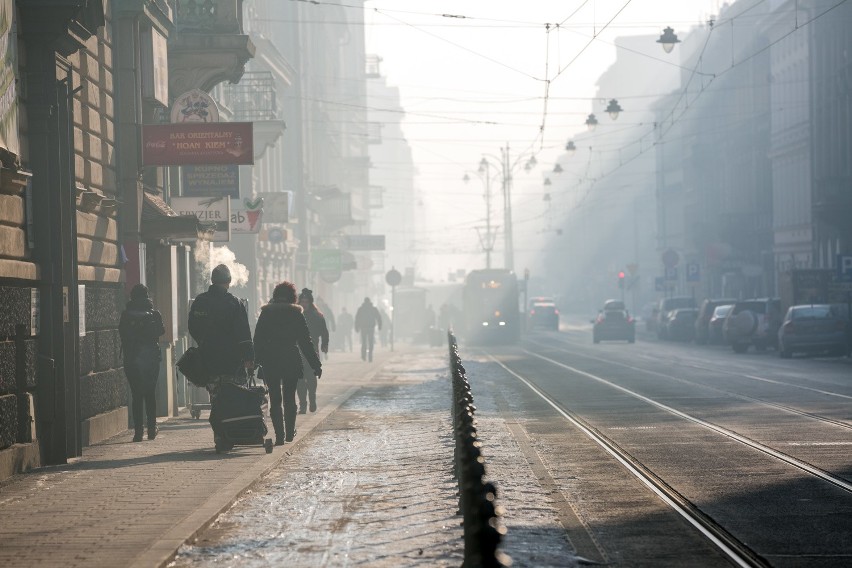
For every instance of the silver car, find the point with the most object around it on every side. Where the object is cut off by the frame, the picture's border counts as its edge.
(812, 328)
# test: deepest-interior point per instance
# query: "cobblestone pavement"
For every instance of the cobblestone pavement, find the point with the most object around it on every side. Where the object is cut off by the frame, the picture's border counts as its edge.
(368, 482)
(125, 502)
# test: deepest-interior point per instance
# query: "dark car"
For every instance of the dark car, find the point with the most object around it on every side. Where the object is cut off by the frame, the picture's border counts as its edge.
(705, 313)
(544, 314)
(717, 322)
(753, 322)
(681, 324)
(666, 307)
(615, 325)
(812, 328)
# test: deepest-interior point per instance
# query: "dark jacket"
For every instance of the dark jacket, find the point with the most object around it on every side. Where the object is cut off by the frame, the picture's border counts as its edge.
(218, 322)
(280, 332)
(367, 318)
(140, 326)
(318, 328)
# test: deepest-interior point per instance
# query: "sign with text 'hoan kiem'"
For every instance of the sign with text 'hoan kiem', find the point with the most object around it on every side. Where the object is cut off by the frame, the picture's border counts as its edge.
(193, 143)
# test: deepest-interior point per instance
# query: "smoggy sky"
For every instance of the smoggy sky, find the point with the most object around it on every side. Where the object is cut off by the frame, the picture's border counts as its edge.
(473, 76)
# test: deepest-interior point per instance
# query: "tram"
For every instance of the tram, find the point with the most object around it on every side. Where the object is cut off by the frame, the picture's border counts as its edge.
(490, 305)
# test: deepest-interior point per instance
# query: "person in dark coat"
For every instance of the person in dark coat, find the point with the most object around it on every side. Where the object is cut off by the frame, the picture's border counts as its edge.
(366, 319)
(280, 333)
(139, 328)
(307, 388)
(218, 322)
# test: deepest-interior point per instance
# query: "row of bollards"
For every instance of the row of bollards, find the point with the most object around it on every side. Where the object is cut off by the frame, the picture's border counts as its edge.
(483, 529)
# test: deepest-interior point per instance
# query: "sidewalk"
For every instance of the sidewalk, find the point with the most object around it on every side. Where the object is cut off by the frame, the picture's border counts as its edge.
(368, 481)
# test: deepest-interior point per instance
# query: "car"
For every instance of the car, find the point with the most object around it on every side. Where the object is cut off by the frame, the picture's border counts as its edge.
(614, 325)
(705, 312)
(753, 322)
(667, 305)
(614, 305)
(717, 321)
(544, 314)
(681, 324)
(813, 328)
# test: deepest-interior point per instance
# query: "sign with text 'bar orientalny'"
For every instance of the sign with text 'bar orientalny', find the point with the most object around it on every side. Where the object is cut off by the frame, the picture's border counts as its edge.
(193, 143)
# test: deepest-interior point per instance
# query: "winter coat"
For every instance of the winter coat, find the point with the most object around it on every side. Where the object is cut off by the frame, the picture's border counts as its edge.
(367, 318)
(280, 332)
(139, 329)
(318, 328)
(218, 322)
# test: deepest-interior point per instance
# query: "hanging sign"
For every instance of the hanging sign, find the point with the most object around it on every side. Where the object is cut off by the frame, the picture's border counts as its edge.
(246, 216)
(194, 106)
(197, 143)
(213, 210)
(210, 181)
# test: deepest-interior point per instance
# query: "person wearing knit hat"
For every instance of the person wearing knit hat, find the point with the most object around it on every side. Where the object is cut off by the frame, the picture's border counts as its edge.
(218, 322)
(307, 387)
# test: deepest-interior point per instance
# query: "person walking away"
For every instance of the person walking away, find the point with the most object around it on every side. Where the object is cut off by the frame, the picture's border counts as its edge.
(307, 387)
(329, 318)
(280, 333)
(366, 319)
(218, 322)
(139, 329)
(344, 328)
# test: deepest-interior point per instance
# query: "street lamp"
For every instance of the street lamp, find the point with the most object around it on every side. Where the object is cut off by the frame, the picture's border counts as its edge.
(613, 109)
(591, 122)
(508, 167)
(547, 181)
(570, 148)
(557, 169)
(668, 39)
(488, 242)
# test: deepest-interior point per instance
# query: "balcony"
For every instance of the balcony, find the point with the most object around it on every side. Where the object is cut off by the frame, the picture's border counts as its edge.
(209, 46)
(253, 98)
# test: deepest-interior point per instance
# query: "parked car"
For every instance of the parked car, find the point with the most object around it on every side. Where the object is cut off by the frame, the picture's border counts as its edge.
(717, 322)
(543, 314)
(813, 328)
(667, 305)
(753, 322)
(705, 312)
(614, 305)
(614, 325)
(681, 324)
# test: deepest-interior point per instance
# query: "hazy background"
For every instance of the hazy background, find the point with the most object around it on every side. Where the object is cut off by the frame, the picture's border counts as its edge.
(472, 84)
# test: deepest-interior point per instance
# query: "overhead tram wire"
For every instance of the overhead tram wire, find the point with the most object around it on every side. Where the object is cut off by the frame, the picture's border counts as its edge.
(701, 91)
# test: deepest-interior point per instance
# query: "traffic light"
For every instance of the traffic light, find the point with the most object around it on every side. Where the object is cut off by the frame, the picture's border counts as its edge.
(621, 280)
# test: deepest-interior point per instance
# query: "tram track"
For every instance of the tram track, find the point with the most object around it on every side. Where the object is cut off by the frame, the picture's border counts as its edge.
(739, 553)
(730, 434)
(782, 407)
(722, 531)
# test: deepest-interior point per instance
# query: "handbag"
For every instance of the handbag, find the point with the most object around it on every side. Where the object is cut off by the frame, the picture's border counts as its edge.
(192, 367)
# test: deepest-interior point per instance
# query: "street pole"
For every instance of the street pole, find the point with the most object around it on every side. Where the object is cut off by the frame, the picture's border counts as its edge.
(488, 240)
(507, 208)
(393, 314)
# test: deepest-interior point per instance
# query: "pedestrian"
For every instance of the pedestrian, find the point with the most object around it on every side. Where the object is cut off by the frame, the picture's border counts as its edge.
(218, 322)
(329, 318)
(139, 329)
(366, 319)
(280, 333)
(307, 388)
(344, 328)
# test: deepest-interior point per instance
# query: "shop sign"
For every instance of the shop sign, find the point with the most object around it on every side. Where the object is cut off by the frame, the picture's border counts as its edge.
(194, 106)
(364, 242)
(197, 143)
(209, 210)
(246, 216)
(211, 181)
(325, 260)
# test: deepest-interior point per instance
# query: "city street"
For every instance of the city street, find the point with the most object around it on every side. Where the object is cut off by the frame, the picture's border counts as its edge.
(659, 450)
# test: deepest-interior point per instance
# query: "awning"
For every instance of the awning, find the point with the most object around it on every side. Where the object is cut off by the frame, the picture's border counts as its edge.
(159, 221)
